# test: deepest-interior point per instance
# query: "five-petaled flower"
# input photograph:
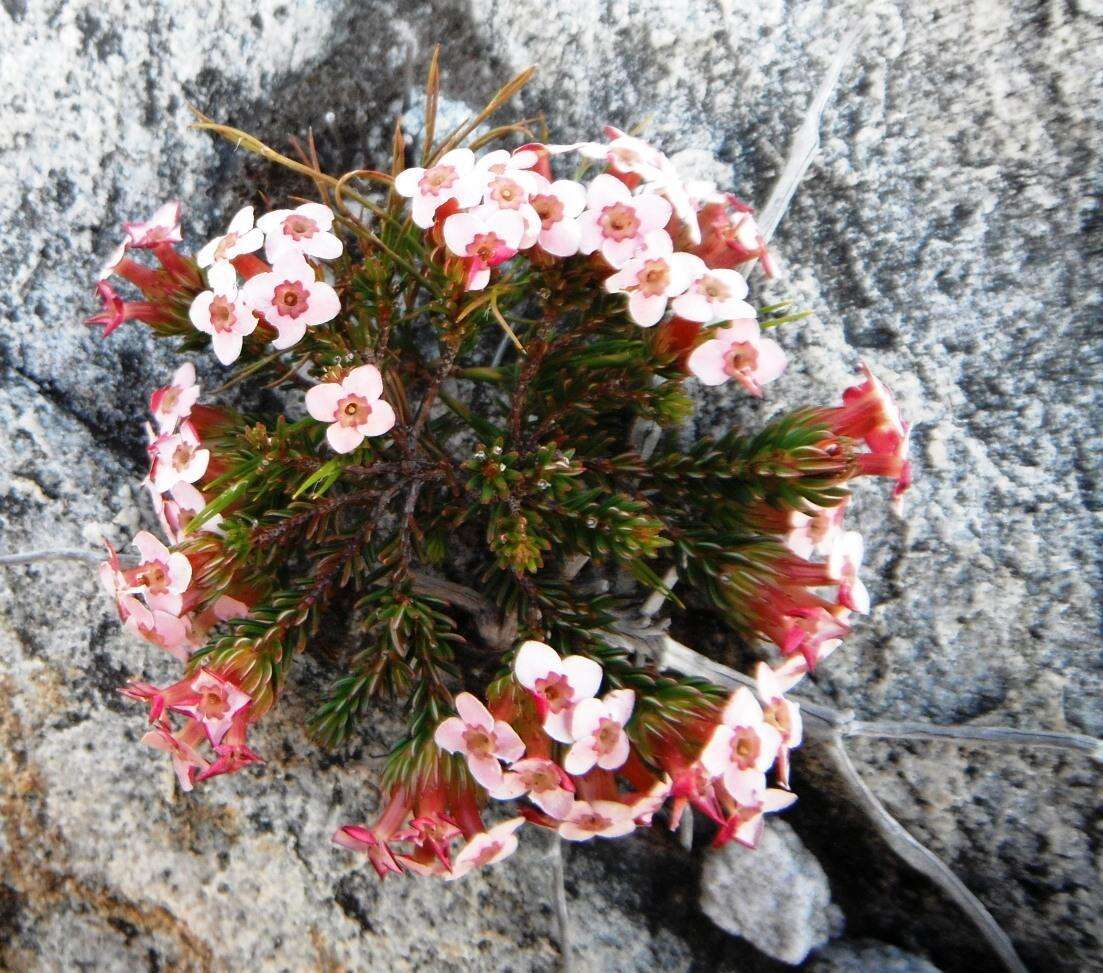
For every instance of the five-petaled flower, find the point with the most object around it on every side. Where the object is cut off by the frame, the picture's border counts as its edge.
(653, 277)
(738, 351)
(241, 237)
(483, 740)
(558, 205)
(557, 684)
(483, 240)
(353, 408)
(291, 298)
(222, 313)
(307, 230)
(742, 747)
(452, 177)
(616, 223)
(598, 728)
(213, 702)
(173, 402)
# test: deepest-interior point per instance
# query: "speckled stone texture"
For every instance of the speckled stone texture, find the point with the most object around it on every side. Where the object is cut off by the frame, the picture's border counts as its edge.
(949, 233)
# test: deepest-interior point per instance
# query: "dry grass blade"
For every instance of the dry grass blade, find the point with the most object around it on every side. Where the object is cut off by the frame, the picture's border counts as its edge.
(507, 91)
(432, 100)
(924, 861)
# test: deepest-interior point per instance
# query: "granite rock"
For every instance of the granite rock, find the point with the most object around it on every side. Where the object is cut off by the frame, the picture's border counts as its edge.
(949, 232)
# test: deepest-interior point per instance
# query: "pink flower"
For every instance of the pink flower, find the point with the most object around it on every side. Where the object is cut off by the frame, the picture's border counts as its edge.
(842, 565)
(222, 313)
(356, 837)
(156, 626)
(177, 510)
(714, 295)
(178, 457)
(653, 277)
(738, 351)
(453, 177)
(186, 760)
(241, 237)
(486, 848)
(602, 819)
(162, 576)
(558, 205)
(110, 265)
(616, 222)
(481, 739)
(353, 407)
(647, 803)
(870, 412)
(747, 823)
(542, 781)
(627, 155)
(307, 230)
(598, 729)
(162, 227)
(780, 713)
(814, 532)
(171, 403)
(291, 298)
(558, 684)
(484, 240)
(742, 747)
(213, 702)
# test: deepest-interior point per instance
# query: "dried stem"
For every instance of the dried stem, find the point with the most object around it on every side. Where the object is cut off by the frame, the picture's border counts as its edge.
(60, 554)
(563, 920)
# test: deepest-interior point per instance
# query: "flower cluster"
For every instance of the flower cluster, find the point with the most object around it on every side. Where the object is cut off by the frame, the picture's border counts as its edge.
(670, 244)
(547, 737)
(415, 482)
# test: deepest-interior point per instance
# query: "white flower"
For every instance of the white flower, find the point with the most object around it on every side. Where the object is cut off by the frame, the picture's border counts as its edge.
(598, 729)
(742, 747)
(453, 177)
(291, 298)
(481, 739)
(354, 408)
(306, 230)
(616, 222)
(653, 277)
(714, 295)
(222, 313)
(558, 684)
(602, 819)
(241, 237)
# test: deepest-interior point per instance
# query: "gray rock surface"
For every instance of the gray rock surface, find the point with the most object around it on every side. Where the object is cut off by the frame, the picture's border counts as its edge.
(775, 896)
(949, 233)
(866, 956)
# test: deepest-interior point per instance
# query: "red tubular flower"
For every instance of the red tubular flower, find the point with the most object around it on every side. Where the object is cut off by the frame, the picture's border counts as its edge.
(730, 235)
(117, 312)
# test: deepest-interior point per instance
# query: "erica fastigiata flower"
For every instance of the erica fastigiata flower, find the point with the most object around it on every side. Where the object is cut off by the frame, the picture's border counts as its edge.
(466, 372)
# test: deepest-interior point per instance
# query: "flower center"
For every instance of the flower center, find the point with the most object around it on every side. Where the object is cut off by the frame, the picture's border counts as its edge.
(222, 314)
(478, 741)
(619, 222)
(299, 227)
(556, 691)
(654, 278)
(745, 747)
(182, 456)
(506, 193)
(225, 245)
(740, 357)
(212, 704)
(549, 209)
(713, 289)
(487, 853)
(353, 410)
(607, 736)
(437, 179)
(486, 248)
(541, 779)
(592, 821)
(169, 399)
(153, 575)
(291, 299)
(777, 715)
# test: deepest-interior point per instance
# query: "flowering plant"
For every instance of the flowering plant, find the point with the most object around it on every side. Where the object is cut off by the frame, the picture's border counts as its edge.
(415, 455)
